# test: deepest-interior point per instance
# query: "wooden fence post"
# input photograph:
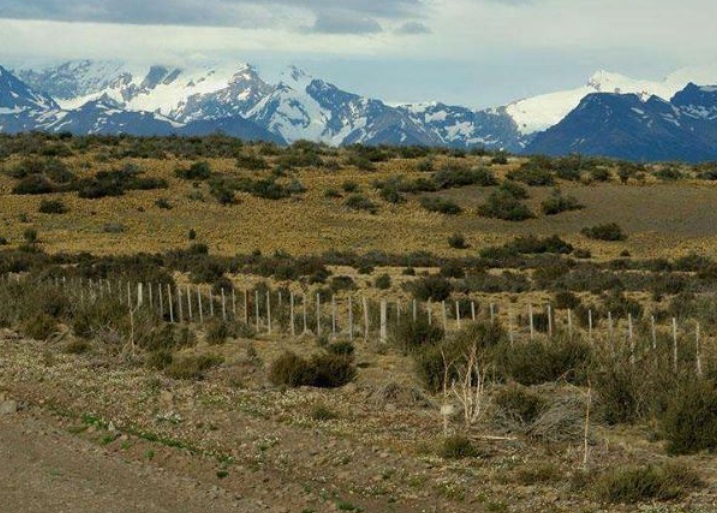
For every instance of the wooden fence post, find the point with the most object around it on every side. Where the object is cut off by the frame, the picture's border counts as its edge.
(189, 303)
(179, 304)
(246, 307)
(458, 314)
(291, 314)
(224, 306)
(532, 324)
(384, 322)
(333, 315)
(201, 308)
(171, 304)
(161, 301)
(674, 344)
(492, 313)
(268, 311)
(211, 303)
(351, 319)
(473, 311)
(444, 315)
(654, 333)
(318, 314)
(698, 350)
(550, 320)
(256, 309)
(365, 318)
(306, 327)
(631, 338)
(590, 326)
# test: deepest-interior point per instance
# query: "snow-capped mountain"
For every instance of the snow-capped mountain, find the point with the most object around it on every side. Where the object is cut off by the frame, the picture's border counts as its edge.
(462, 127)
(640, 128)
(544, 111)
(21, 107)
(298, 107)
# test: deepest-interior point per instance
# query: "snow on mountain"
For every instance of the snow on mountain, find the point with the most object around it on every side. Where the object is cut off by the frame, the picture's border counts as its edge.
(461, 127)
(541, 112)
(633, 127)
(21, 107)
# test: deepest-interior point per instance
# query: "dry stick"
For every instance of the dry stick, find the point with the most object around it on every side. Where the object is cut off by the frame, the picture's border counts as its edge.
(224, 306)
(458, 314)
(246, 307)
(654, 333)
(473, 311)
(189, 303)
(365, 317)
(268, 311)
(318, 314)
(171, 305)
(306, 326)
(532, 324)
(511, 335)
(384, 320)
(351, 319)
(256, 309)
(291, 314)
(698, 356)
(199, 305)
(180, 311)
(631, 338)
(674, 344)
(333, 315)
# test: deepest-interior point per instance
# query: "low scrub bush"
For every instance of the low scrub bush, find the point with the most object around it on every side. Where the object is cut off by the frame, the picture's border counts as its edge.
(457, 241)
(558, 203)
(416, 335)
(606, 232)
(432, 288)
(545, 361)
(53, 207)
(326, 370)
(359, 203)
(641, 483)
(690, 423)
(440, 205)
(457, 447)
(504, 206)
(519, 403)
(192, 367)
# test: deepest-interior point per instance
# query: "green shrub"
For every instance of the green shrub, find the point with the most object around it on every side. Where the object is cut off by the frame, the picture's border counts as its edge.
(78, 347)
(545, 361)
(290, 370)
(541, 473)
(159, 360)
(641, 483)
(514, 189)
(669, 174)
(332, 193)
(457, 241)
(34, 184)
(30, 236)
(53, 207)
(359, 202)
(606, 232)
(322, 413)
(251, 162)
(690, 423)
(558, 203)
(341, 348)
(432, 288)
(457, 447)
(197, 171)
(324, 371)
(192, 367)
(382, 282)
(163, 204)
(39, 326)
(619, 392)
(450, 177)
(532, 176)
(565, 300)
(332, 370)
(504, 206)
(416, 335)
(350, 187)
(520, 403)
(440, 205)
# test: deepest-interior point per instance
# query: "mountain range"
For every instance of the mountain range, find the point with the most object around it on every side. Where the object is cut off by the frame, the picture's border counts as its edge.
(610, 115)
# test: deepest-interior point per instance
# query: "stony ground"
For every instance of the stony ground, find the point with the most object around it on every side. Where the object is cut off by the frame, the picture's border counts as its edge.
(96, 432)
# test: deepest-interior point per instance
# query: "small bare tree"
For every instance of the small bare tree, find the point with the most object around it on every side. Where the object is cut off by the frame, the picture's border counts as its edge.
(469, 388)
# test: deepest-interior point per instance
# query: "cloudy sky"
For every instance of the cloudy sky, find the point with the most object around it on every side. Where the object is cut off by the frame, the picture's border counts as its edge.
(473, 52)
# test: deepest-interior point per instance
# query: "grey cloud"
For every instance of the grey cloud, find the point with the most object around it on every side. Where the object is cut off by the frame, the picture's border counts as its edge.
(355, 16)
(345, 23)
(413, 28)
